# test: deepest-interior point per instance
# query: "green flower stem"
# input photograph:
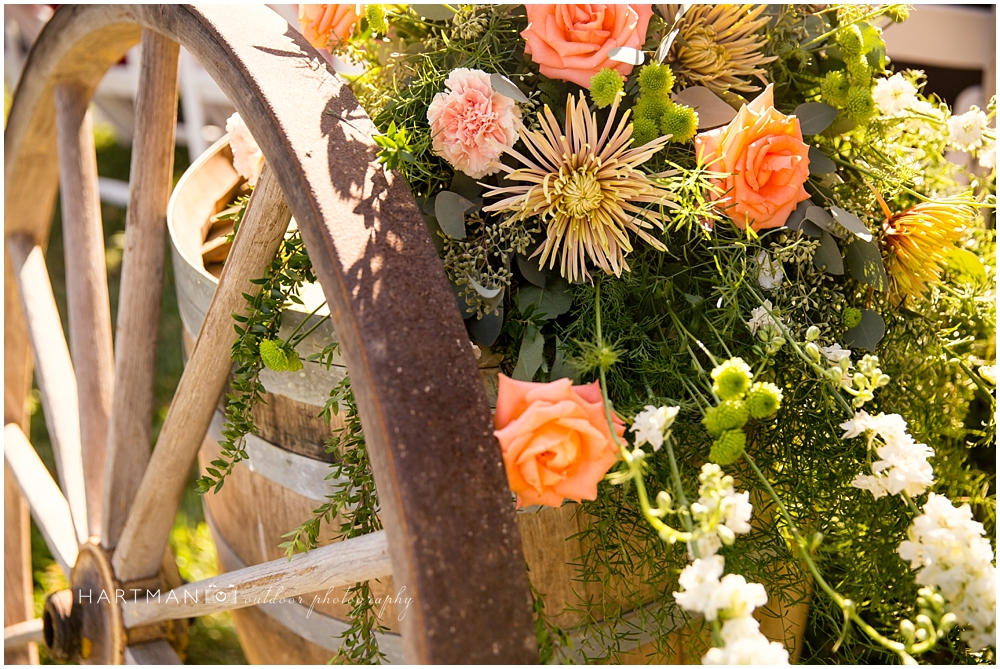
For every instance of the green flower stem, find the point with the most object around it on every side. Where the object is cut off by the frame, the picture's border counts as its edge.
(802, 355)
(305, 320)
(635, 470)
(846, 605)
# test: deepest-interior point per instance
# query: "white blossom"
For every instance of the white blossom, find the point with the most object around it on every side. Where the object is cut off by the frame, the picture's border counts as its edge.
(652, 424)
(835, 353)
(721, 512)
(744, 644)
(950, 552)
(699, 581)
(902, 464)
(988, 154)
(965, 132)
(770, 273)
(248, 160)
(761, 319)
(920, 113)
(737, 598)
(894, 95)
(857, 426)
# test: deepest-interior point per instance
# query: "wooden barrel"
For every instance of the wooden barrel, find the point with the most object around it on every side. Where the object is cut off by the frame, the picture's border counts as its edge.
(284, 478)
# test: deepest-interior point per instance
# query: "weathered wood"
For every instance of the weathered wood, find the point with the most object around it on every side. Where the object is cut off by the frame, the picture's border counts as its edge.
(87, 286)
(54, 373)
(443, 492)
(141, 546)
(338, 564)
(21, 634)
(18, 606)
(48, 506)
(154, 652)
(141, 280)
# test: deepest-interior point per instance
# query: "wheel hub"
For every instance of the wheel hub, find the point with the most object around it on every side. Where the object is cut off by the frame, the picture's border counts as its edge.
(83, 624)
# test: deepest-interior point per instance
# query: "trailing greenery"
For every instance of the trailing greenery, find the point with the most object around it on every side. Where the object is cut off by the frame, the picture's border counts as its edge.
(289, 270)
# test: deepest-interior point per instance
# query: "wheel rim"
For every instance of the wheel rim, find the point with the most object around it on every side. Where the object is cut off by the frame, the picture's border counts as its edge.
(444, 498)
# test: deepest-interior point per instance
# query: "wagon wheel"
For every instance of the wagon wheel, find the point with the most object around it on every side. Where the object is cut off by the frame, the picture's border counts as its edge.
(450, 534)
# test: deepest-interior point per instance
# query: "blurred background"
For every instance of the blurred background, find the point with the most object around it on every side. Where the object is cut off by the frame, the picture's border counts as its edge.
(955, 45)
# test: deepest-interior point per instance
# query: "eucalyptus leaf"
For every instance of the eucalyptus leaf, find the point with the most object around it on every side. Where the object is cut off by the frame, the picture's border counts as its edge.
(484, 331)
(852, 223)
(820, 163)
(867, 333)
(815, 117)
(560, 368)
(531, 271)
(796, 217)
(529, 358)
(820, 217)
(434, 12)
(553, 300)
(628, 55)
(506, 87)
(486, 293)
(449, 209)
(712, 110)
(466, 186)
(865, 263)
(828, 256)
(966, 264)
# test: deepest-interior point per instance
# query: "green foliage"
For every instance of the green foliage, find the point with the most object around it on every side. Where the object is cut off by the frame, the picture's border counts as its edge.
(353, 502)
(394, 147)
(260, 322)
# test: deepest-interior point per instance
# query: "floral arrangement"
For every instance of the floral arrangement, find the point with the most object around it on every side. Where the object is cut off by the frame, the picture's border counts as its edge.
(717, 248)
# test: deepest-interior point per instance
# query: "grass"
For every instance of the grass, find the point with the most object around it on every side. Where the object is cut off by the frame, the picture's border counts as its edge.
(213, 638)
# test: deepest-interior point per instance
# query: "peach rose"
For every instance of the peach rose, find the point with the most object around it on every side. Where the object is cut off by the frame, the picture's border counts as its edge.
(571, 42)
(326, 26)
(766, 160)
(555, 439)
(471, 124)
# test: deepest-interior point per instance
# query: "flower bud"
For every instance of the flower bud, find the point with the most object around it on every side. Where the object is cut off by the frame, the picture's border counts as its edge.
(812, 350)
(812, 334)
(908, 630)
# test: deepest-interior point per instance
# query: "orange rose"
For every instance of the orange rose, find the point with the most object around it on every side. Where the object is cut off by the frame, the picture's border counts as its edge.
(555, 439)
(326, 26)
(766, 160)
(571, 42)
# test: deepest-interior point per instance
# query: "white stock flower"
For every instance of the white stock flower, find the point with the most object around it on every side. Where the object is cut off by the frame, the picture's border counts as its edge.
(248, 160)
(902, 466)
(835, 353)
(988, 154)
(651, 425)
(965, 132)
(760, 318)
(950, 552)
(770, 273)
(857, 426)
(699, 581)
(735, 598)
(894, 95)
(721, 512)
(744, 644)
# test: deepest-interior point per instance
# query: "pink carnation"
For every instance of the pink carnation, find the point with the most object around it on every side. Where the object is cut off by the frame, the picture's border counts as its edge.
(472, 124)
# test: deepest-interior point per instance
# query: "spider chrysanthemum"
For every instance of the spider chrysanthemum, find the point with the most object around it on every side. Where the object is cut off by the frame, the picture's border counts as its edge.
(919, 241)
(585, 187)
(720, 47)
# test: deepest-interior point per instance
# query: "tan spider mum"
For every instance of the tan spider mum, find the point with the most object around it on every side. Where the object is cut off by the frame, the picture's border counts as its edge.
(586, 189)
(719, 46)
(919, 241)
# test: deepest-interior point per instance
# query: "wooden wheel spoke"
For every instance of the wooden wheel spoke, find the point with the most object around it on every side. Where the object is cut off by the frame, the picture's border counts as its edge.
(144, 537)
(339, 564)
(48, 506)
(54, 373)
(20, 634)
(86, 287)
(154, 652)
(142, 281)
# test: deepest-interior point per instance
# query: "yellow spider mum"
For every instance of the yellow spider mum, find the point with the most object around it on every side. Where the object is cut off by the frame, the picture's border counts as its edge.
(586, 189)
(919, 241)
(719, 46)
